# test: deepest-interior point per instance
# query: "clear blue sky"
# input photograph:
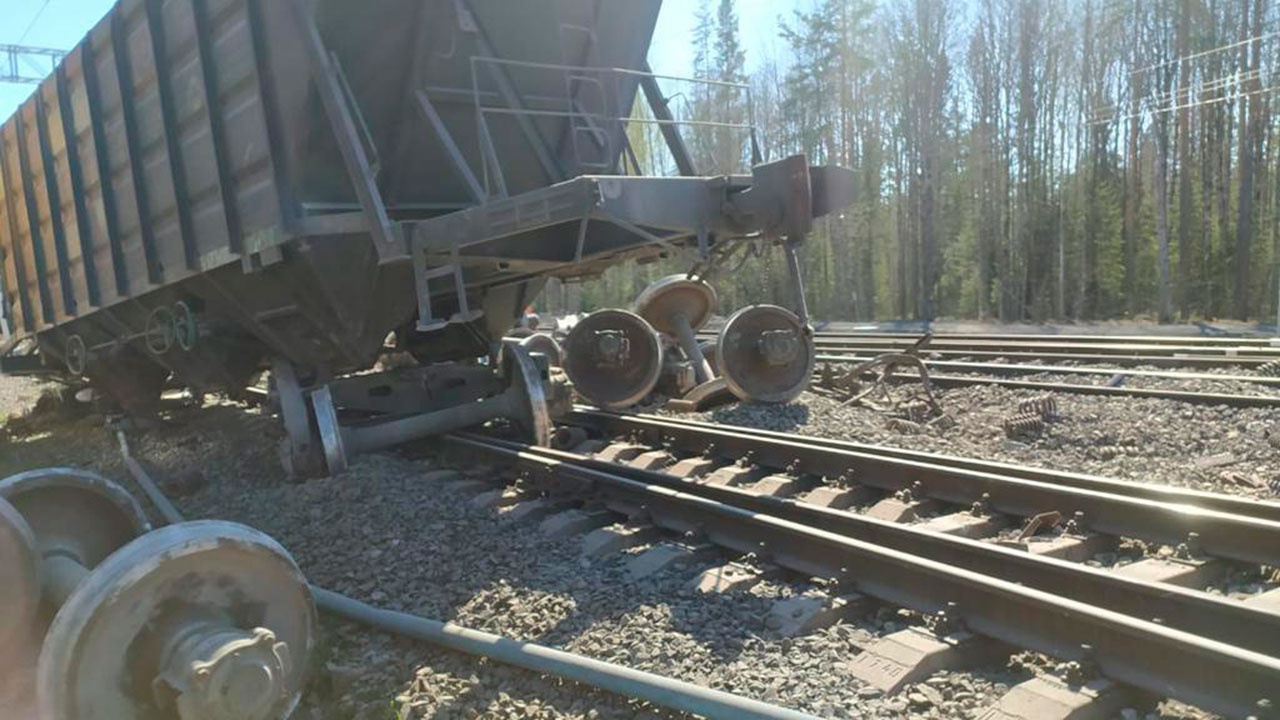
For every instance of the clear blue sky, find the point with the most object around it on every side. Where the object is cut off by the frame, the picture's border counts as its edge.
(64, 22)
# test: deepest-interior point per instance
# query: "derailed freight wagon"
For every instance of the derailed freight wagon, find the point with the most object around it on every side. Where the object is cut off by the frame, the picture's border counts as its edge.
(205, 187)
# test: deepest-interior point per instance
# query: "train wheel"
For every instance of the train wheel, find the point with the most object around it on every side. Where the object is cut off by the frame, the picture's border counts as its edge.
(299, 452)
(19, 577)
(75, 513)
(534, 418)
(766, 354)
(203, 620)
(678, 306)
(614, 358)
(676, 295)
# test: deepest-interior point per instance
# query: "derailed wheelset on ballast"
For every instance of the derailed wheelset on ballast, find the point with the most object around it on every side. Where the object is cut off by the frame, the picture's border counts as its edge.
(203, 620)
(616, 359)
(678, 306)
(319, 441)
(766, 353)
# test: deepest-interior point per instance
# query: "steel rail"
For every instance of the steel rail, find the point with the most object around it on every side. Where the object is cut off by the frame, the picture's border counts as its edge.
(1265, 347)
(1163, 660)
(1012, 369)
(657, 689)
(1231, 504)
(1182, 608)
(1197, 361)
(1062, 353)
(1188, 396)
(1225, 535)
(1196, 340)
(1130, 348)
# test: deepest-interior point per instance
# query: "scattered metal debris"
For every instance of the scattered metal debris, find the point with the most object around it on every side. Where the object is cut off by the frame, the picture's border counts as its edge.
(907, 427)
(1269, 369)
(919, 405)
(1046, 406)
(916, 412)
(943, 422)
(1042, 521)
(1023, 424)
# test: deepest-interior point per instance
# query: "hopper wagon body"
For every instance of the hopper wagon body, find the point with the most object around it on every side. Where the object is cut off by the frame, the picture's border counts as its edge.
(204, 186)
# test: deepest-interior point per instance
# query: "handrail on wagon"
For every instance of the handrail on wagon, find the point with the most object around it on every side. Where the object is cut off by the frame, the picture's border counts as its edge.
(642, 120)
(613, 71)
(604, 126)
(8, 334)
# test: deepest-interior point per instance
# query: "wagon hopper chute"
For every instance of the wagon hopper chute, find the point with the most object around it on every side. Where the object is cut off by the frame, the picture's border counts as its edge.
(206, 187)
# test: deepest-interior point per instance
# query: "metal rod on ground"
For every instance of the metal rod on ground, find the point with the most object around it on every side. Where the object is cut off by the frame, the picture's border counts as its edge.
(656, 689)
(664, 691)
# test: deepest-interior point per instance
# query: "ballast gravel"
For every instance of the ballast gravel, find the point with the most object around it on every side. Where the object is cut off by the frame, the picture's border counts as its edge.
(399, 533)
(1207, 447)
(17, 394)
(1223, 381)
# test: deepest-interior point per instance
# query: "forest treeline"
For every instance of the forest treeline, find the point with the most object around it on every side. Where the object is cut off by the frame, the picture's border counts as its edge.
(1016, 159)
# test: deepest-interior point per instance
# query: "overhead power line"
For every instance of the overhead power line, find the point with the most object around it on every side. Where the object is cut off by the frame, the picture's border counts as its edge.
(33, 22)
(1204, 53)
(1175, 107)
(1213, 91)
(1209, 89)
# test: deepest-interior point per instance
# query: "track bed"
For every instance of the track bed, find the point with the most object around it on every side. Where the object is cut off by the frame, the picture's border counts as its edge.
(399, 531)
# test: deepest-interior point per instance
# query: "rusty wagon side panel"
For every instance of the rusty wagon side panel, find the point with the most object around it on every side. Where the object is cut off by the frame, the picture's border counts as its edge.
(182, 157)
(116, 176)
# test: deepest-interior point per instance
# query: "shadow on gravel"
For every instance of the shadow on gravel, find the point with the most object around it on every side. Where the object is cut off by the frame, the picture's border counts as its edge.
(82, 442)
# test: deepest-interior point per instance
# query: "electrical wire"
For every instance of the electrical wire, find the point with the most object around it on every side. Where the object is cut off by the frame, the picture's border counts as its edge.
(1198, 87)
(1175, 108)
(33, 22)
(1203, 53)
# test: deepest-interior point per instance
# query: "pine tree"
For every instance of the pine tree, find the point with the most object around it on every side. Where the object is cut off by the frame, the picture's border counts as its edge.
(1019, 159)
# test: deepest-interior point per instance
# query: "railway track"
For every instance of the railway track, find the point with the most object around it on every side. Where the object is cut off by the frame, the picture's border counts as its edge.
(1000, 370)
(951, 538)
(1188, 396)
(1067, 339)
(1084, 346)
(1226, 527)
(661, 691)
(980, 559)
(1119, 354)
(626, 424)
(1202, 362)
(1011, 369)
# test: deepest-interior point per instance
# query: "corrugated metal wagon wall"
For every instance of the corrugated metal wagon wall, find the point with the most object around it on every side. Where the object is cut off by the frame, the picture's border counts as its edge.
(118, 178)
(196, 157)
